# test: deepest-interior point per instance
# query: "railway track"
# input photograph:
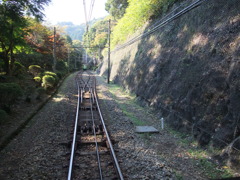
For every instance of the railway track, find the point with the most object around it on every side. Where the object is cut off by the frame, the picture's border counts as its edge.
(92, 153)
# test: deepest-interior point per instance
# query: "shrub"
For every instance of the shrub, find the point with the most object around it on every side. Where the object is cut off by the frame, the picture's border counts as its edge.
(60, 74)
(9, 93)
(48, 82)
(40, 92)
(37, 79)
(52, 74)
(18, 69)
(61, 66)
(35, 70)
(3, 115)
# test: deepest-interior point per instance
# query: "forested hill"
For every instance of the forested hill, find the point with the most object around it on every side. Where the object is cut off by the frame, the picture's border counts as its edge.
(76, 31)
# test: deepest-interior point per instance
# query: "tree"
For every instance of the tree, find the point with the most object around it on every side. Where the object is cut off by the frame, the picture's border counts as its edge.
(13, 24)
(96, 37)
(116, 8)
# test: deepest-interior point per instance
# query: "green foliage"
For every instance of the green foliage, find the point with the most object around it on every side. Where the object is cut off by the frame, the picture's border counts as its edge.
(9, 93)
(3, 116)
(41, 91)
(35, 70)
(18, 69)
(60, 74)
(116, 8)
(37, 79)
(48, 82)
(54, 75)
(13, 24)
(97, 37)
(61, 66)
(138, 13)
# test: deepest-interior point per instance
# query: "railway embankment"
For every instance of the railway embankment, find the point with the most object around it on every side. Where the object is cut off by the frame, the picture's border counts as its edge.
(188, 70)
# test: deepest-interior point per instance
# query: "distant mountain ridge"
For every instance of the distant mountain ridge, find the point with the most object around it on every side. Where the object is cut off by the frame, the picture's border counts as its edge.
(76, 32)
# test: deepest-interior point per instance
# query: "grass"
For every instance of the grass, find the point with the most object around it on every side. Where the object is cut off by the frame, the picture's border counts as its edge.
(211, 170)
(183, 138)
(178, 175)
(201, 157)
(196, 154)
(113, 88)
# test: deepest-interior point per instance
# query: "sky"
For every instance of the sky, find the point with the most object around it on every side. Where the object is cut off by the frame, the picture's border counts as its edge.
(73, 11)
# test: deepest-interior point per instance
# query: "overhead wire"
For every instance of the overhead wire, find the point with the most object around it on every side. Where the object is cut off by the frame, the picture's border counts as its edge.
(164, 21)
(85, 12)
(91, 10)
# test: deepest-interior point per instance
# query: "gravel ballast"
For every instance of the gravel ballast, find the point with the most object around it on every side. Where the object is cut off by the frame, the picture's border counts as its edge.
(40, 151)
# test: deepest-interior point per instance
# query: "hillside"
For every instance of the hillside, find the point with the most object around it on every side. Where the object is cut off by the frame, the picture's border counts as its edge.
(76, 31)
(188, 70)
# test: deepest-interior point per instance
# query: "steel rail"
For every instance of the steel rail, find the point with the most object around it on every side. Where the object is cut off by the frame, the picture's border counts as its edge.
(74, 137)
(95, 137)
(108, 139)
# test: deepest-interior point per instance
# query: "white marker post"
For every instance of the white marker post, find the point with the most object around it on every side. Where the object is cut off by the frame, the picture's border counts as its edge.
(162, 122)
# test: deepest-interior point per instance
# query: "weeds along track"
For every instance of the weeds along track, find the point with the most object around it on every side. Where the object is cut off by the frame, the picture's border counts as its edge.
(92, 154)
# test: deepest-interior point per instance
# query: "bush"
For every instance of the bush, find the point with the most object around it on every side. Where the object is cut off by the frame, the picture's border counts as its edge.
(9, 93)
(41, 92)
(35, 70)
(37, 79)
(3, 115)
(18, 69)
(52, 74)
(60, 74)
(48, 82)
(61, 66)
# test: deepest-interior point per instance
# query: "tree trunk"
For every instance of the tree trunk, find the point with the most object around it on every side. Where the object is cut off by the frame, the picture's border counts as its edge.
(11, 60)
(6, 63)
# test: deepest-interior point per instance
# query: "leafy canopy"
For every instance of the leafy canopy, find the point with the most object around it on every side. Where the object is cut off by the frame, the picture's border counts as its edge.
(13, 24)
(116, 8)
(137, 13)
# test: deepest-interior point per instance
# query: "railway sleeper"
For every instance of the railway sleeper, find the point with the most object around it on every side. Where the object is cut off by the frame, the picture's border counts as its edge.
(88, 108)
(94, 165)
(88, 129)
(84, 120)
(86, 143)
(89, 134)
(85, 153)
(105, 178)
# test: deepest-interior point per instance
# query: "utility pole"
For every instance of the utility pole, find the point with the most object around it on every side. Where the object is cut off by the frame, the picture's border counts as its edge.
(68, 59)
(109, 31)
(79, 58)
(75, 62)
(54, 50)
(99, 55)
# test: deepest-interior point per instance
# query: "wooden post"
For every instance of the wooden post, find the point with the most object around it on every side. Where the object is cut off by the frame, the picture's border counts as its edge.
(109, 31)
(54, 50)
